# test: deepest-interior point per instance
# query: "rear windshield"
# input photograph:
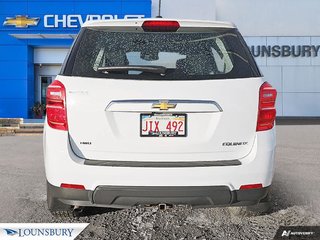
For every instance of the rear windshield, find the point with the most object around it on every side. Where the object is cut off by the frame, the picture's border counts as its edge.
(218, 54)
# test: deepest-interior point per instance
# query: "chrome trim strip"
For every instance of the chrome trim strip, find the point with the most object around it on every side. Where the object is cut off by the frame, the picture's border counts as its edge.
(174, 101)
(112, 163)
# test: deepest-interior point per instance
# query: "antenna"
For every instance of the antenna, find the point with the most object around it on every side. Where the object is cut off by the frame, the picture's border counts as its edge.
(159, 10)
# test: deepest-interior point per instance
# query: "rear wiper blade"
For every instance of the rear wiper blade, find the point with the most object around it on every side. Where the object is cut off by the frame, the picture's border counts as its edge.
(152, 69)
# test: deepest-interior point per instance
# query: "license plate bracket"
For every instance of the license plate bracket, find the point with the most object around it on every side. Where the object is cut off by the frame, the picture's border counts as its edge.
(163, 125)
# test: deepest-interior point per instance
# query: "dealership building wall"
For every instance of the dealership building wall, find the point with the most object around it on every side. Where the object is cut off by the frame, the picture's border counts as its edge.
(283, 35)
(277, 24)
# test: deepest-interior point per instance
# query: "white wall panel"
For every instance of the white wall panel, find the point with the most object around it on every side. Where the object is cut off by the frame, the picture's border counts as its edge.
(185, 9)
(50, 55)
(301, 104)
(279, 104)
(273, 75)
(255, 41)
(315, 41)
(288, 61)
(301, 79)
(253, 17)
(271, 17)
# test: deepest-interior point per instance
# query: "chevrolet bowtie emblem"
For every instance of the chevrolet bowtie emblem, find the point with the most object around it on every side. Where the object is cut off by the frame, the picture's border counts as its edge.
(164, 105)
(21, 21)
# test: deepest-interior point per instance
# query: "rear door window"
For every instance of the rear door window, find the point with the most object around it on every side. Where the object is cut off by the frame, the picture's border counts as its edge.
(217, 54)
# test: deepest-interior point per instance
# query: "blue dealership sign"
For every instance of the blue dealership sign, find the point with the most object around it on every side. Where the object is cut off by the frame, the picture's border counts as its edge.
(29, 24)
(60, 16)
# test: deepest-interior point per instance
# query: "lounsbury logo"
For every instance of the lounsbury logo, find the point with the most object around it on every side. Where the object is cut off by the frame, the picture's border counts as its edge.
(59, 231)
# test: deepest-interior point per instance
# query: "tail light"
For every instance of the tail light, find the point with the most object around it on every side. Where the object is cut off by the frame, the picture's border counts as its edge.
(56, 106)
(267, 110)
(160, 26)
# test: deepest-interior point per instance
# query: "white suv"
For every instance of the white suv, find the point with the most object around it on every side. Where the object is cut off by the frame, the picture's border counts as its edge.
(155, 111)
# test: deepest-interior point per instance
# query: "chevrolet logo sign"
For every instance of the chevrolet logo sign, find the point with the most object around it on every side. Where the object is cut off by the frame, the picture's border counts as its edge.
(21, 21)
(163, 105)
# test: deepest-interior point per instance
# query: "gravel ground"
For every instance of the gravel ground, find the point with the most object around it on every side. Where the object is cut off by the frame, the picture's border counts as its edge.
(295, 195)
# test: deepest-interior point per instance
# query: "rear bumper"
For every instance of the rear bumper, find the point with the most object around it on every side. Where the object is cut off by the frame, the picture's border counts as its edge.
(63, 166)
(128, 196)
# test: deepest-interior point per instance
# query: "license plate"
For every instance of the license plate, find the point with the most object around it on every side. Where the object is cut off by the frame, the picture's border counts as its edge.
(163, 125)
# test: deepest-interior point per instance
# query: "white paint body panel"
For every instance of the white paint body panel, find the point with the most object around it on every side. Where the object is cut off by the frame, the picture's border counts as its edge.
(184, 23)
(109, 131)
(63, 166)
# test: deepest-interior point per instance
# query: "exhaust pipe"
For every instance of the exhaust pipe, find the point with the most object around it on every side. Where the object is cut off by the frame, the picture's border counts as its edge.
(77, 211)
(163, 206)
